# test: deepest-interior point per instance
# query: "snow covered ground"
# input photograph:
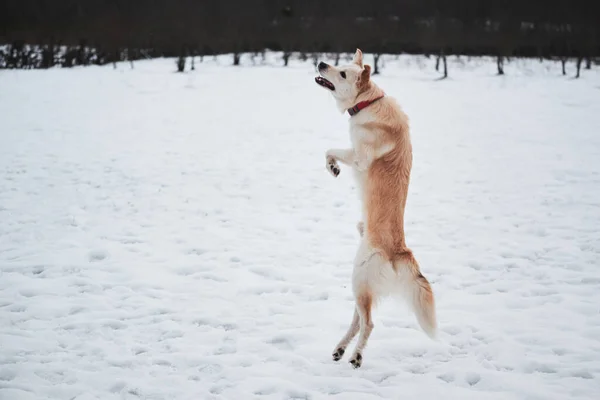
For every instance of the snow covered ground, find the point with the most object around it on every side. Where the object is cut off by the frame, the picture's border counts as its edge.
(176, 236)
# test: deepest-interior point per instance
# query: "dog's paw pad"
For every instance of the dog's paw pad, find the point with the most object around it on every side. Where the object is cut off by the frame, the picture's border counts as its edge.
(338, 354)
(333, 168)
(356, 361)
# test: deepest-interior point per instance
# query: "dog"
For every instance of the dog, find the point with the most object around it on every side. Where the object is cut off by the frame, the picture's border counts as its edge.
(381, 160)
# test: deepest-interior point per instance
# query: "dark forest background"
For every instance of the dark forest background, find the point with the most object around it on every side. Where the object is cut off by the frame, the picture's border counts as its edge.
(47, 33)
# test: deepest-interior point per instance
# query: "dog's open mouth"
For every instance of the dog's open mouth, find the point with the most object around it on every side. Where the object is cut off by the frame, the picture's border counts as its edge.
(324, 82)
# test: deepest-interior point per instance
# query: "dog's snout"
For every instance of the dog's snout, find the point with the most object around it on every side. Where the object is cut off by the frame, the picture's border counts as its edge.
(323, 66)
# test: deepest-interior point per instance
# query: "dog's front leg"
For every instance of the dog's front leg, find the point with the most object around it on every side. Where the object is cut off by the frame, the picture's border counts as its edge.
(345, 156)
(363, 157)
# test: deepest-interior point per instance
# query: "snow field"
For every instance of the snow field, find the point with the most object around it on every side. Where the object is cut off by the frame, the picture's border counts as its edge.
(176, 236)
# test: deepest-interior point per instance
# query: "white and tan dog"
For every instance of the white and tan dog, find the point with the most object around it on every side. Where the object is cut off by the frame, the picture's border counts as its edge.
(381, 158)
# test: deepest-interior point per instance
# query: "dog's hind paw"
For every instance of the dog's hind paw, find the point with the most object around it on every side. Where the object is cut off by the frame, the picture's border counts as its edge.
(338, 354)
(356, 360)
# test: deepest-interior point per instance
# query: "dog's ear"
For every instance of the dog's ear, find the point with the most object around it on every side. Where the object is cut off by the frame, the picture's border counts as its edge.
(366, 73)
(358, 58)
(365, 76)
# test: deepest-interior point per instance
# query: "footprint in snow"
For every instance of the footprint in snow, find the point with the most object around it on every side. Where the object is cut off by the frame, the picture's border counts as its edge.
(297, 395)
(37, 270)
(117, 387)
(583, 374)
(215, 324)
(28, 292)
(472, 378)
(448, 378)
(139, 350)
(282, 343)
(266, 391)
(215, 278)
(97, 255)
(196, 251)
(7, 375)
(17, 308)
(114, 324)
(76, 310)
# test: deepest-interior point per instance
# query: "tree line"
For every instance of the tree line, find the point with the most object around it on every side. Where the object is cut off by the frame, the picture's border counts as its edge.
(47, 33)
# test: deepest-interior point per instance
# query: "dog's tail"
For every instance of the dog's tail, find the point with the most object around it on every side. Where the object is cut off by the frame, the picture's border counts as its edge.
(417, 291)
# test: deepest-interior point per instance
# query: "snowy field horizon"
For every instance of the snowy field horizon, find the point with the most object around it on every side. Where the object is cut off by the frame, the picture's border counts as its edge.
(173, 235)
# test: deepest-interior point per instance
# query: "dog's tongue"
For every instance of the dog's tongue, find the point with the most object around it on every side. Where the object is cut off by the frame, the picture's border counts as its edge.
(324, 82)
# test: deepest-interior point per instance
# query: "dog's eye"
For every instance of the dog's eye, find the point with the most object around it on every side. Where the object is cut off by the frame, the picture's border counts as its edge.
(343, 74)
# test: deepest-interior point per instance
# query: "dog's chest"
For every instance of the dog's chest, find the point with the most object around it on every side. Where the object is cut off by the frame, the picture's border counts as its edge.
(359, 139)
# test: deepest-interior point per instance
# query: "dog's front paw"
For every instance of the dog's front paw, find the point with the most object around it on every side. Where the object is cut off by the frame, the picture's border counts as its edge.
(333, 167)
(356, 360)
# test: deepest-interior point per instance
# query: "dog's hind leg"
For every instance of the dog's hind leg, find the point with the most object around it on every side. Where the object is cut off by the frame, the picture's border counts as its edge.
(372, 274)
(364, 303)
(340, 349)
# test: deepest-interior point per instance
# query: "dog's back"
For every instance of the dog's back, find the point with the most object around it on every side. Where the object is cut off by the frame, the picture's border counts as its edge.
(388, 176)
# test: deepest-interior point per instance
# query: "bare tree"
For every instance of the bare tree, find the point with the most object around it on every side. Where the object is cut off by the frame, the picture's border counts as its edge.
(500, 64)
(376, 58)
(181, 60)
(445, 64)
(286, 58)
(579, 61)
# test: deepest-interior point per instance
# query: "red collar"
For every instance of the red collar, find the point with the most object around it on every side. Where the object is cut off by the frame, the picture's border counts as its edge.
(363, 104)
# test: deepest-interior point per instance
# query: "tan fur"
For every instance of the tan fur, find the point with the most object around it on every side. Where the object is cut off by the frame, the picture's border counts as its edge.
(387, 184)
(422, 299)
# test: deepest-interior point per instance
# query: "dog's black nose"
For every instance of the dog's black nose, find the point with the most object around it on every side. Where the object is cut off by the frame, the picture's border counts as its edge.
(322, 65)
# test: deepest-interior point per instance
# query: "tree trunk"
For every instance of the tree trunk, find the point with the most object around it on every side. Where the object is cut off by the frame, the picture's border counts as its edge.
(588, 63)
(48, 57)
(286, 58)
(437, 62)
(117, 58)
(236, 58)
(500, 64)
(563, 61)
(193, 63)
(131, 56)
(376, 58)
(445, 65)
(315, 59)
(337, 59)
(181, 63)
(579, 61)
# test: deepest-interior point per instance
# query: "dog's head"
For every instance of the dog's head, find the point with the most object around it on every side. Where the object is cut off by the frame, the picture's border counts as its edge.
(346, 82)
